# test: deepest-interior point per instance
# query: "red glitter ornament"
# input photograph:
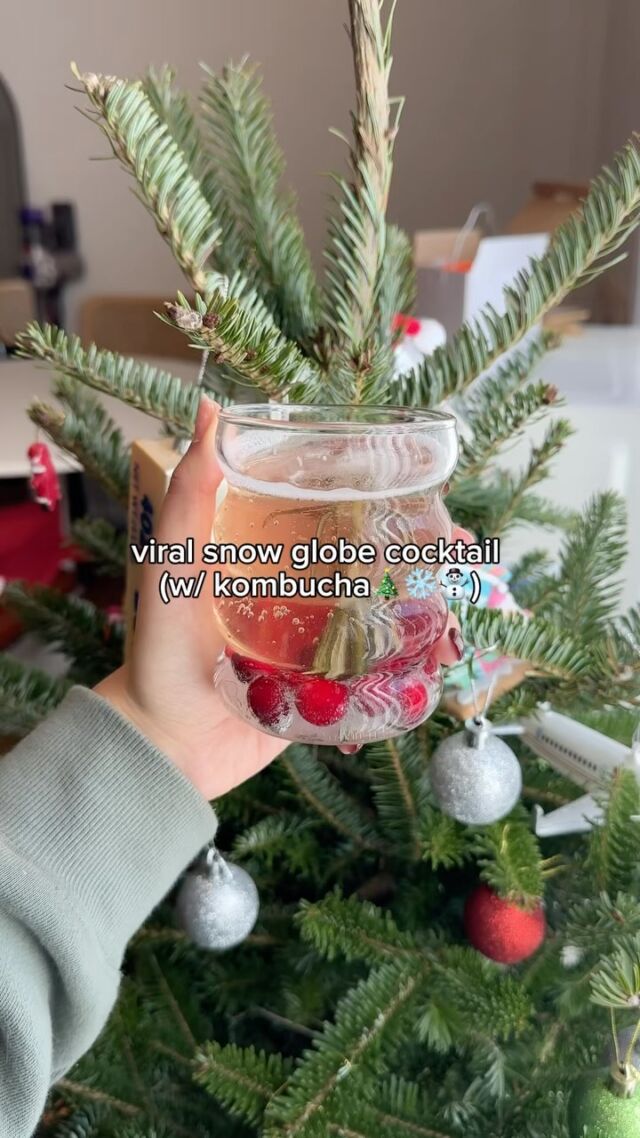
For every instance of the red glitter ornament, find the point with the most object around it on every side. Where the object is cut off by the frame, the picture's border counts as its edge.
(500, 930)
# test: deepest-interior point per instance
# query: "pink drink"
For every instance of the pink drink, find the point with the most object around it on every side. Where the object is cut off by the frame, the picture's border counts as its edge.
(337, 668)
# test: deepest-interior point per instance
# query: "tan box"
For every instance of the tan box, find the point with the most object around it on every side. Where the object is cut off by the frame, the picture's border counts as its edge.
(153, 461)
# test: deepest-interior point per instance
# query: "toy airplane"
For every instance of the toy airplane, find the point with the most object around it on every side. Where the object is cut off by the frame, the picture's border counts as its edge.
(583, 755)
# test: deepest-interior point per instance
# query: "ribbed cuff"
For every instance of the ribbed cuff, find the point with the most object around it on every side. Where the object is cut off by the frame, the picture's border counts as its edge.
(102, 814)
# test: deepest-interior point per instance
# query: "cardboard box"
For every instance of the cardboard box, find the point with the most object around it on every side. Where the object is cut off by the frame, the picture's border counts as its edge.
(153, 461)
(459, 272)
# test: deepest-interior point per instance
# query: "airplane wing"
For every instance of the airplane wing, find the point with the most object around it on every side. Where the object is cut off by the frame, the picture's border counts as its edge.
(576, 817)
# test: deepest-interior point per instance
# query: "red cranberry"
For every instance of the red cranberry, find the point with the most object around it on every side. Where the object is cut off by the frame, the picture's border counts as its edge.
(247, 669)
(268, 699)
(321, 701)
(412, 697)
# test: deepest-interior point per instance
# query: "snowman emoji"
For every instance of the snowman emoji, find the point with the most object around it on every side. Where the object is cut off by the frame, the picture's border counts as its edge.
(455, 582)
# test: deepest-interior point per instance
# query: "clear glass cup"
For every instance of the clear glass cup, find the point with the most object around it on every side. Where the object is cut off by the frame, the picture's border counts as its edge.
(331, 667)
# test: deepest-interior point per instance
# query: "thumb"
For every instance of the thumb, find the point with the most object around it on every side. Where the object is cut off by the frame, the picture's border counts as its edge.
(187, 512)
(189, 506)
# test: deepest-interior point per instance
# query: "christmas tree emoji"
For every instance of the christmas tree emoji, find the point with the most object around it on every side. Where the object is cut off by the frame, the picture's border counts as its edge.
(386, 588)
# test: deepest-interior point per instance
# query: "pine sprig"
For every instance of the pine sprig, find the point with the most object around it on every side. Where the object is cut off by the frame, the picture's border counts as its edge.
(91, 436)
(343, 926)
(580, 250)
(358, 234)
(258, 354)
(371, 1014)
(326, 797)
(104, 542)
(616, 981)
(515, 488)
(147, 388)
(614, 854)
(246, 165)
(241, 1078)
(499, 424)
(72, 624)
(400, 792)
(397, 290)
(510, 861)
(536, 641)
(27, 695)
(591, 559)
(166, 186)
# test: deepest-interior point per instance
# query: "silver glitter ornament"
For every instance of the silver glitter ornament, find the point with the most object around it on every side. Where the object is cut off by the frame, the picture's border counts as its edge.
(475, 777)
(217, 903)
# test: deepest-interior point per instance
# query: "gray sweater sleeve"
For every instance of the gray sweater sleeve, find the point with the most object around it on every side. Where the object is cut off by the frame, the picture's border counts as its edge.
(95, 826)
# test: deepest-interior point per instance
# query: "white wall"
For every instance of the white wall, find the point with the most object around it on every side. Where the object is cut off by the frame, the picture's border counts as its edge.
(499, 93)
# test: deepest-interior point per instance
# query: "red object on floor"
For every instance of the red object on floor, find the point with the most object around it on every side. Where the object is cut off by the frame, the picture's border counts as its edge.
(29, 543)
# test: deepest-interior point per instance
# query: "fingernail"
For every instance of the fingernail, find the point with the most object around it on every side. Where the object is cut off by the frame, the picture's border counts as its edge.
(457, 643)
(349, 748)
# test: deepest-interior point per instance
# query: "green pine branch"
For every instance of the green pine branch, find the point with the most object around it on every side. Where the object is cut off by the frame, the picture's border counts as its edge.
(616, 981)
(72, 624)
(492, 1003)
(582, 248)
(500, 422)
(284, 840)
(145, 147)
(515, 487)
(173, 108)
(509, 858)
(444, 842)
(547, 649)
(397, 289)
(247, 165)
(258, 354)
(400, 792)
(86, 431)
(27, 695)
(371, 1016)
(147, 388)
(614, 853)
(107, 546)
(358, 232)
(592, 556)
(343, 926)
(241, 1078)
(327, 799)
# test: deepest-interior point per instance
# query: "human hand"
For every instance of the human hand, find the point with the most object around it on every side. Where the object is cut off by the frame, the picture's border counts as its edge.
(166, 689)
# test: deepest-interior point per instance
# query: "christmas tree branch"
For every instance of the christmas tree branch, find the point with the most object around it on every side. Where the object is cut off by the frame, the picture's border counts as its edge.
(241, 1078)
(365, 1018)
(27, 695)
(326, 797)
(510, 862)
(508, 505)
(580, 250)
(355, 929)
(358, 234)
(247, 164)
(101, 455)
(145, 147)
(548, 649)
(500, 423)
(76, 626)
(258, 354)
(148, 388)
(399, 791)
(106, 545)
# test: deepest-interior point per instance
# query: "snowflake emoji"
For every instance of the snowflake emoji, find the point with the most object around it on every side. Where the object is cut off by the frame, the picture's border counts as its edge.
(421, 584)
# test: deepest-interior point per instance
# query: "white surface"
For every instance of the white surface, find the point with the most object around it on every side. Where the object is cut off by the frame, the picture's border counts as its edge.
(599, 375)
(600, 366)
(21, 381)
